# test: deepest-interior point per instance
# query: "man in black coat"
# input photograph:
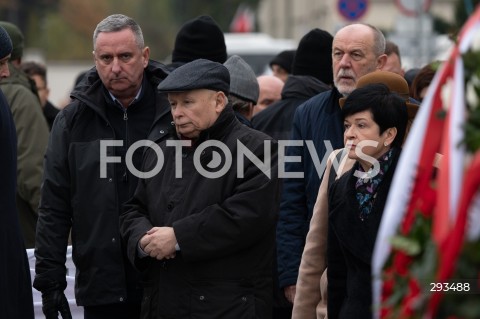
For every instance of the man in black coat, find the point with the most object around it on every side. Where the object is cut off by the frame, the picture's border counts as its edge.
(87, 178)
(203, 227)
(311, 75)
(15, 285)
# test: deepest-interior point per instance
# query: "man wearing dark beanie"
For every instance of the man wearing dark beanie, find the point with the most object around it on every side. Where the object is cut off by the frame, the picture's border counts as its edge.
(314, 57)
(281, 64)
(199, 38)
(15, 284)
(311, 74)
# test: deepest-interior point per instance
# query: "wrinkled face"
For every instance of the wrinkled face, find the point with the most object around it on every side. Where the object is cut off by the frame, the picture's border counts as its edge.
(120, 62)
(270, 92)
(43, 90)
(195, 111)
(393, 64)
(360, 130)
(353, 56)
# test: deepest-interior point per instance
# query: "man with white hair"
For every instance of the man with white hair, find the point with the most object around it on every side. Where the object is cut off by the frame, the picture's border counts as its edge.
(357, 49)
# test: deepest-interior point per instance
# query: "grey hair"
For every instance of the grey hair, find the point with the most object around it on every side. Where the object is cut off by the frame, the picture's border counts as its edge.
(378, 40)
(119, 22)
(238, 104)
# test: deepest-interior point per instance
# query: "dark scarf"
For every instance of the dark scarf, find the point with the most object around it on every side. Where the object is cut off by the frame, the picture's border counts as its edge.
(366, 186)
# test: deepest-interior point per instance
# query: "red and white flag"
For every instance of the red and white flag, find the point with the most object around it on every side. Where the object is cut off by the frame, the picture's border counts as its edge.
(411, 189)
(244, 20)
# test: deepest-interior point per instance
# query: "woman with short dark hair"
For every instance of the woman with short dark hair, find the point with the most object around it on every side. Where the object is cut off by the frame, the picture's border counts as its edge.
(375, 122)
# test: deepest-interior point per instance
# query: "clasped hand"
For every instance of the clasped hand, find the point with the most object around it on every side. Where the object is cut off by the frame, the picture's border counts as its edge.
(159, 243)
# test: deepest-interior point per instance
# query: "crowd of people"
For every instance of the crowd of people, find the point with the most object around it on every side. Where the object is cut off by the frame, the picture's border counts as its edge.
(183, 241)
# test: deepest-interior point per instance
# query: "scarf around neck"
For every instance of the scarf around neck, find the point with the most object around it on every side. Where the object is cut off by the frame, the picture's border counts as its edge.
(367, 185)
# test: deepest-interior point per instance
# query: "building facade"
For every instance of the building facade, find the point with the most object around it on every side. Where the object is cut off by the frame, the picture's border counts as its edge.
(397, 18)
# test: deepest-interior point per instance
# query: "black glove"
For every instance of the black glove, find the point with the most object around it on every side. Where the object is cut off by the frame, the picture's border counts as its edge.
(54, 301)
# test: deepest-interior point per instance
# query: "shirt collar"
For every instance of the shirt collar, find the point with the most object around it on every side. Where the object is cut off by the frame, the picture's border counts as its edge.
(117, 102)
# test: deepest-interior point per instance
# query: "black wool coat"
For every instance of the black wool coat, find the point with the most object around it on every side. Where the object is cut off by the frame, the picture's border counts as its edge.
(225, 228)
(276, 120)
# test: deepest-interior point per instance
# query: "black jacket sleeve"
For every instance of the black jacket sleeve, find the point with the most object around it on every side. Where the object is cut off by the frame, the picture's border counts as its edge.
(54, 214)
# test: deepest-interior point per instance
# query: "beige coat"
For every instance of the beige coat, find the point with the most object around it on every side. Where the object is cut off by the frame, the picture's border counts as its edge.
(311, 295)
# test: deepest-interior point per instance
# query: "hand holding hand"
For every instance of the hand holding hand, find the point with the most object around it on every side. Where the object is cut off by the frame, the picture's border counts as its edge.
(159, 243)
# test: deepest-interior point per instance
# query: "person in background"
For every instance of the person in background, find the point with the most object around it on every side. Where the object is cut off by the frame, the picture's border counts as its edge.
(87, 179)
(311, 74)
(244, 89)
(410, 75)
(357, 199)
(357, 49)
(32, 135)
(270, 92)
(199, 38)
(206, 244)
(16, 299)
(281, 64)
(422, 81)
(38, 73)
(311, 293)
(394, 60)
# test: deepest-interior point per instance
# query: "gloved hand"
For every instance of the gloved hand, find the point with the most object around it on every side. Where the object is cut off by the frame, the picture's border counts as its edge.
(54, 301)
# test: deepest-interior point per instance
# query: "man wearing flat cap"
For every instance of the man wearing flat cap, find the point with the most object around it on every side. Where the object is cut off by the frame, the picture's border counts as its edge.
(202, 229)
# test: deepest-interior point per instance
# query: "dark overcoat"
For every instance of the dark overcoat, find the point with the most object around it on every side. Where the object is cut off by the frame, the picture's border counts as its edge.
(77, 196)
(225, 228)
(15, 286)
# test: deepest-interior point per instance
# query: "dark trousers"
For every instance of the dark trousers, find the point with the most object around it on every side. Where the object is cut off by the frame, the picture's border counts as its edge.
(113, 311)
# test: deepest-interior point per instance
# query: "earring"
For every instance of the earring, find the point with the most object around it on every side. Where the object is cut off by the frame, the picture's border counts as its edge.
(385, 143)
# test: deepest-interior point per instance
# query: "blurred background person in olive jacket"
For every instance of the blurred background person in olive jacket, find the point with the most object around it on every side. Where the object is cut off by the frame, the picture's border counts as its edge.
(38, 73)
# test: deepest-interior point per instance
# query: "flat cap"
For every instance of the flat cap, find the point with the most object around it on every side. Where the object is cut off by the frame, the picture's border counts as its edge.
(198, 74)
(243, 81)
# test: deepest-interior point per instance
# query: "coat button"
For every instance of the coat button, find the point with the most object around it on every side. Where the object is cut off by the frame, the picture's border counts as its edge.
(121, 299)
(162, 131)
(110, 180)
(113, 240)
(170, 206)
(244, 298)
(201, 298)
